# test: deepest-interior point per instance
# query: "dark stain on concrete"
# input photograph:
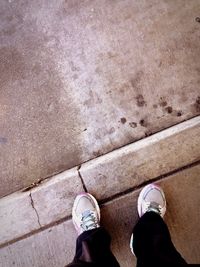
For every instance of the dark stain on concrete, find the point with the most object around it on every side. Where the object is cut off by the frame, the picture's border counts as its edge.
(37, 68)
(162, 103)
(143, 123)
(112, 130)
(160, 64)
(148, 133)
(111, 54)
(75, 76)
(8, 32)
(3, 140)
(179, 113)
(135, 81)
(133, 124)
(197, 19)
(73, 66)
(10, 22)
(197, 104)
(98, 70)
(97, 153)
(140, 101)
(123, 120)
(92, 100)
(155, 106)
(13, 65)
(169, 109)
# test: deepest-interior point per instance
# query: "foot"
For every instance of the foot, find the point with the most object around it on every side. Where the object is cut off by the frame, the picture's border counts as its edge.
(151, 198)
(85, 213)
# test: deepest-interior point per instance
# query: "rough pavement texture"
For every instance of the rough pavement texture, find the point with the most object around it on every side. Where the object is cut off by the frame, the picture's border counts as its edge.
(144, 160)
(123, 169)
(54, 247)
(81, 78)
(17, 216)
(22, 213)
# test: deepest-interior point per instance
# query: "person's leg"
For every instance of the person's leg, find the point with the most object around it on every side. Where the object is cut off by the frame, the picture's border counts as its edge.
(151, 241)
(93, 242)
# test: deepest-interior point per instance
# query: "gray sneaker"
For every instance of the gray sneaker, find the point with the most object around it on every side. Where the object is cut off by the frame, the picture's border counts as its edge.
(152, 198)
(85, 213)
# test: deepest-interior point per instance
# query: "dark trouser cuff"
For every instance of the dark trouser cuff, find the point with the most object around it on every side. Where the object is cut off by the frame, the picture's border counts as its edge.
(152, 242)
(93, 249)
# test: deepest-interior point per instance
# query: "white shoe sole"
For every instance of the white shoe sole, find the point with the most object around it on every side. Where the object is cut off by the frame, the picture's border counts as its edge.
(131, 245)
(96, 206)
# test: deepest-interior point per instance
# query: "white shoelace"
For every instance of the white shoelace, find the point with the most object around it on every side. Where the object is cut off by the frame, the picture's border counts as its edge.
(89, 220)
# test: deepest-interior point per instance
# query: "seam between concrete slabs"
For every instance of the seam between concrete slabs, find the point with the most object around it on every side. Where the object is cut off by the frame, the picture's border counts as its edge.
(33, 206)
(99, 157)
(160, 135)
(81, 178)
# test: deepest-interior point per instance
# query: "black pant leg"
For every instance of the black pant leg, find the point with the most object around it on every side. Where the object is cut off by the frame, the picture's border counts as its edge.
(93, 250)
(152, 243)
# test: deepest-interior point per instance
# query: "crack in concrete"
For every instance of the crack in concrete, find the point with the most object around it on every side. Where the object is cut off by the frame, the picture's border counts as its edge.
(81, 178)
(33, 206)
(101, 203)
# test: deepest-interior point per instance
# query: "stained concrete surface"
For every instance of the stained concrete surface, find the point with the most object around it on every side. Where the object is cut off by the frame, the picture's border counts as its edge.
(55, 246)
(116, 172)
(81, 78)
(144, 160)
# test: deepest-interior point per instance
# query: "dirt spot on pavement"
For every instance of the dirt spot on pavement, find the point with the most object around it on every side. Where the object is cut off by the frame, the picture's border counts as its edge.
(143, 123)
(97, 153)
(3, 140)
(163, 103)
(179, 113)
(135, 81)
(133, 124)
(123, 120)
(140, 101)
(169, 109)
(197, 104)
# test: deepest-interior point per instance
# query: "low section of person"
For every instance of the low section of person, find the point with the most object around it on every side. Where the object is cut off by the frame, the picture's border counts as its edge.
(150, 241)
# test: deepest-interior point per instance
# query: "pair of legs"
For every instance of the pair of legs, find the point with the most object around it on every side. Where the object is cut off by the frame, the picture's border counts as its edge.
(150, 241)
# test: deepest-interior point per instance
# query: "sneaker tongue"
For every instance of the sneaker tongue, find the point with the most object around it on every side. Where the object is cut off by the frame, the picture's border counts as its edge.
(88, 220)
(154, 207)
(86, 213)
(154, 204)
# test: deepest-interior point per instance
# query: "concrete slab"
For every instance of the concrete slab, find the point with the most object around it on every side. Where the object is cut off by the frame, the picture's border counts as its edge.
(17, 216)
(183, 213)
(24, 212)
(79, 79)
(144, 160)
(55, 246)
(53, 200)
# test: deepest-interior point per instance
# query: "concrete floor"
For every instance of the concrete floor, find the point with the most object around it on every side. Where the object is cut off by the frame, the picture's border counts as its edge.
(55, 246)
(81, 78)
